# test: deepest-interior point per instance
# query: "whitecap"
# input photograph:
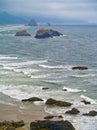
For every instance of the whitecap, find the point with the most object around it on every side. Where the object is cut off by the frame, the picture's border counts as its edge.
(3, 57)
(55, 67)
(72, 90)
(84, 75)
(39, 76)
(26, 63)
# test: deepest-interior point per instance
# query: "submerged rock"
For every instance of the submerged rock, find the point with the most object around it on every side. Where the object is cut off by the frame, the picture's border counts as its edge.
(79, 68)
(22, 33)
(73, 111)
(91, 113)
(51, 101)
(32, 99)
(46, 33)
(51, 125)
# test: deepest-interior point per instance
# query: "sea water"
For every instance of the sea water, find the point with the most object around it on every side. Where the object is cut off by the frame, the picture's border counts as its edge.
(27, 65)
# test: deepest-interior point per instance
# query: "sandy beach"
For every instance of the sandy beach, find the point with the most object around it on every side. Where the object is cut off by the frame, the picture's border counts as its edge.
(16, 113)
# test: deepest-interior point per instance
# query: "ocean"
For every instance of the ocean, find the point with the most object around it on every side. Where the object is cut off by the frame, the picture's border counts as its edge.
(27, 65)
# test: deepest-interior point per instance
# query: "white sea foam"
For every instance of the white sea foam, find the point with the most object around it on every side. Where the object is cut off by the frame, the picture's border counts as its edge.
(25, 63)
(8, 68)
(72, 90)
(4, 57)
(88, 99)
(18, 92)
(27, 71)
(56, 67)
(39, 76)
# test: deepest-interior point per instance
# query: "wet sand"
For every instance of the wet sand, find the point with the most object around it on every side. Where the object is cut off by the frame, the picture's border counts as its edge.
(16, 113)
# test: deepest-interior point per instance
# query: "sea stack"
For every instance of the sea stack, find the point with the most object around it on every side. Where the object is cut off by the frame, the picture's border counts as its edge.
(47, 33)
(32, 23)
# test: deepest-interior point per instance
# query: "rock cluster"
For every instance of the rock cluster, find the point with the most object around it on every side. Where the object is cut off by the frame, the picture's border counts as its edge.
(7, 125)
(47, 33)
(51, 125)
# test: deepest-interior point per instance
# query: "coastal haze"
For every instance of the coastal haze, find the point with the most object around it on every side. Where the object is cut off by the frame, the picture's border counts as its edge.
(54, 11)
(28, 64)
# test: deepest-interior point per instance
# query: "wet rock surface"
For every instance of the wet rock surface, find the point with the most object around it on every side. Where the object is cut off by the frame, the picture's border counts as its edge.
(51, 101)
(51, 125)
(91, 113)
(32, 99)
(73, 111)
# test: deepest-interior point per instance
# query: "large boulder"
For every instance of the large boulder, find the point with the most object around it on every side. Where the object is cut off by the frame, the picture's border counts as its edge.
(46, 33)
(32, 99)
(51, 101)
(22, 33)
(73, 111)
(79, 68)
(51, 125)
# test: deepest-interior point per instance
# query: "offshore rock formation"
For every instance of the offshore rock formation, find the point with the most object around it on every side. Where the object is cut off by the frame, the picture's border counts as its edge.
(51, 101)
(47, 33)
(51, 125)
(22, 33)
(32, 23)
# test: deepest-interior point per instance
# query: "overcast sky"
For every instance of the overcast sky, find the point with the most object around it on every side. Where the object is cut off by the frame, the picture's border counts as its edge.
(79, 9)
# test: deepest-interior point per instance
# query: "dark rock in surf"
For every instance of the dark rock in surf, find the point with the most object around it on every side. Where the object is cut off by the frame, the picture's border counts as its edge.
(45, 88)
(64, 89)
(86, 102)
(47, 33)
(32, 99)
(51, 101)
(79, 68)
(51, 125)
(73, 111)
(48, 117)
(91, 113)
(22, 33)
